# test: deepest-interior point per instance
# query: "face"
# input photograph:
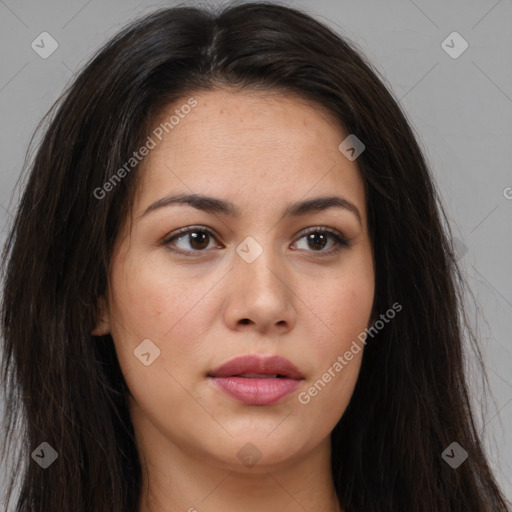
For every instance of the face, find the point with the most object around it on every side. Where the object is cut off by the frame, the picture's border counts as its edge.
(251, 272)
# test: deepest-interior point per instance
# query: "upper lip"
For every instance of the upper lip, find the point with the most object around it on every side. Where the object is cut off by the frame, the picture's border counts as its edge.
(254, 364)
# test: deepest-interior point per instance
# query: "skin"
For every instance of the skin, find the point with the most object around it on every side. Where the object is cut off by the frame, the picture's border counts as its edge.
(261, 151)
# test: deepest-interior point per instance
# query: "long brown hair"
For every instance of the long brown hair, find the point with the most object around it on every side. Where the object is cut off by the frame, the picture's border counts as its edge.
(65, 387)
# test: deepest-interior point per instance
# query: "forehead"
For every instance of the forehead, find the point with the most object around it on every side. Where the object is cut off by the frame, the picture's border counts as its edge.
(249, 147)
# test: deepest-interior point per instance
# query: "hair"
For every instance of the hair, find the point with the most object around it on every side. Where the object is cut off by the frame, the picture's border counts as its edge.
(64, 385)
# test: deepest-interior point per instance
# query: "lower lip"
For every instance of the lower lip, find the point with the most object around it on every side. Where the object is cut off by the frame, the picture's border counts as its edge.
(256, 391)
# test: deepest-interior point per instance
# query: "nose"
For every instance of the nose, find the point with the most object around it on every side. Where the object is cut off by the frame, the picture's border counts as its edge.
(260, 295)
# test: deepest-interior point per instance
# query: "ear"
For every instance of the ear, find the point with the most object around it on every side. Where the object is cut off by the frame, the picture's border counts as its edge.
(103, 320)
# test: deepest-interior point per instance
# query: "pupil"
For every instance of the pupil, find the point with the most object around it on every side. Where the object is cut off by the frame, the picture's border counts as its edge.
(315, 239)
(199, 238)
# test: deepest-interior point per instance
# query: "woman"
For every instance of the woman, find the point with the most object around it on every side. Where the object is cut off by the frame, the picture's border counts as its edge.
(229, 285)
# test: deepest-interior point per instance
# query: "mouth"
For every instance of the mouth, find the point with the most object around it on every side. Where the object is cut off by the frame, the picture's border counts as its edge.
(256, 380)
(260, 376)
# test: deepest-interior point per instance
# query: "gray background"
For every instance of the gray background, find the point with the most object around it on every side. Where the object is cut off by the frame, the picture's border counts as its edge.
(460, 108)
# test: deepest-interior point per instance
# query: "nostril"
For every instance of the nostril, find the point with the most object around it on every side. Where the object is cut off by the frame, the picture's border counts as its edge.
(245, 321)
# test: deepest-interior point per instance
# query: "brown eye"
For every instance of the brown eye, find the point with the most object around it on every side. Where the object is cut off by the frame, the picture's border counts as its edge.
(318, 238)
(190, 240)
(198, 239)
(317, 241)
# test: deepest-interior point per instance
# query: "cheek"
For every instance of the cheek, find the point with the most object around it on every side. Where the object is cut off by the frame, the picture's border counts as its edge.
(167, 308)
(324, 402)
(147, 297)
(338, 356)
(344, 306)
(149, 304)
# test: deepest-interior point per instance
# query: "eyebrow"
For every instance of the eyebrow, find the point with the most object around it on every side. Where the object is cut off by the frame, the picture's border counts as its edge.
(214, 205)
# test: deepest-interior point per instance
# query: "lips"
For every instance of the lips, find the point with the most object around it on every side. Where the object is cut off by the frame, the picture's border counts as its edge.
(251, 366)
(256, 380)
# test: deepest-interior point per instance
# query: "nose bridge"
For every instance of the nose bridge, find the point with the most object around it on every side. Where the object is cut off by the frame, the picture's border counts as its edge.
(258, 262)
(260, 292)
(260, 289)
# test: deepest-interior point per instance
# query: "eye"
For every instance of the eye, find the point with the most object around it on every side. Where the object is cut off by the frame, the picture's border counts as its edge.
(198, 239)
(195, 239)
(318, 238)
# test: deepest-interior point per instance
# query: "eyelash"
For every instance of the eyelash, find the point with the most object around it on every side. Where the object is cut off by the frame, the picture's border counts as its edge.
(341, 242)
